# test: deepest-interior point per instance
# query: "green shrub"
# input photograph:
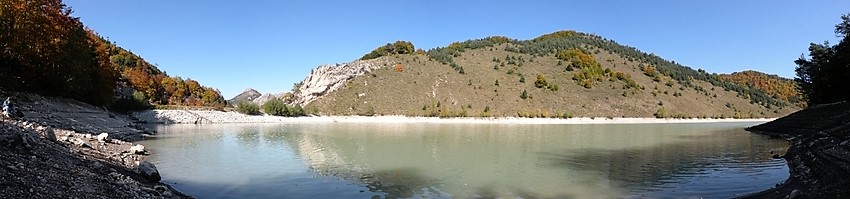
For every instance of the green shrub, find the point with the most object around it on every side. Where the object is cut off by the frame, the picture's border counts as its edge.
(661, 113)
(248, 108)
(136, 102)
(296, 111)
(553, 87)
(524, 94)
(399, 47)
(566, 115)
(541, 82)
(276, 107)
(370, 111)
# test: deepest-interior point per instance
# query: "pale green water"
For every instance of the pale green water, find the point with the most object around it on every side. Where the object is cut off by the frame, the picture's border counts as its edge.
(333, 160)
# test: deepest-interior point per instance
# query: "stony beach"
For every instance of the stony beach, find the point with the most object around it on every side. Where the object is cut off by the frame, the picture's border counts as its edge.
(221, 117)
(67, 149)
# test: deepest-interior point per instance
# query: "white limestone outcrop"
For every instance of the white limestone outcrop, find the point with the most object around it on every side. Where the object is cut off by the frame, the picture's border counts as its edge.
(329, 78)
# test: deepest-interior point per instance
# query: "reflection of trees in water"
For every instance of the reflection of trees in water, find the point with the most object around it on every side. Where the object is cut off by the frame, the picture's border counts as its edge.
(648, 166)
(248, 135)
(280, 134)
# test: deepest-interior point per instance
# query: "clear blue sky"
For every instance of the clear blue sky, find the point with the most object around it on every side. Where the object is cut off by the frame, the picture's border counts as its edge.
(270, 44)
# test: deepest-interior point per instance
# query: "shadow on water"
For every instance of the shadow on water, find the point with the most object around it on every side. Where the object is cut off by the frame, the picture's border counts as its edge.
(659, 167)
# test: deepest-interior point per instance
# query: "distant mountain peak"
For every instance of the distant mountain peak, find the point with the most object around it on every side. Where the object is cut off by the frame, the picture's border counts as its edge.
(248, 95)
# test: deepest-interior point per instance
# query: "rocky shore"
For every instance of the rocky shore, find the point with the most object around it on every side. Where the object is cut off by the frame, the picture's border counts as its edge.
(62, 148)
(819, 153)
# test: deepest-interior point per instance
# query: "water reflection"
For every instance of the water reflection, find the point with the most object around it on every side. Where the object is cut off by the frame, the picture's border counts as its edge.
(248, 135)
(665, 166)
(471, 161)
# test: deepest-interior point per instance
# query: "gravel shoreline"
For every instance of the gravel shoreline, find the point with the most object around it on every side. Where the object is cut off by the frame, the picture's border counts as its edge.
(222, 117)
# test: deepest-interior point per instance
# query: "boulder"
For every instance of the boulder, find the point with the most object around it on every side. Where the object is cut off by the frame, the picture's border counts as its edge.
(148, 171)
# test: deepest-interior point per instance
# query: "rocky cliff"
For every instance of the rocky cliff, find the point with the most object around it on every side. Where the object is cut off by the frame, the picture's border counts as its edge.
(262, 99)
(329, 78)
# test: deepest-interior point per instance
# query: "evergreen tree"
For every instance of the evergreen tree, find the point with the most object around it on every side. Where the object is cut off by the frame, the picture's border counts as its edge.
(825, 76)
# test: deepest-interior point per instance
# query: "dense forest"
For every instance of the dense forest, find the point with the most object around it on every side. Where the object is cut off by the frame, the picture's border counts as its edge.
(824, 77)
(45, 50)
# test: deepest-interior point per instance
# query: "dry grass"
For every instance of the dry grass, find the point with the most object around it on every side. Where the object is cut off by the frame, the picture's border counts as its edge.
(425, 84)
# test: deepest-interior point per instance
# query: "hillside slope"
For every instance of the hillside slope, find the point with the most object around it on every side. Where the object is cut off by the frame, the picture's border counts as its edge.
(563, 74)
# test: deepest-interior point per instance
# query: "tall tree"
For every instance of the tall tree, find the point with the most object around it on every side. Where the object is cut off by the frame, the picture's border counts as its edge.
(825, 76)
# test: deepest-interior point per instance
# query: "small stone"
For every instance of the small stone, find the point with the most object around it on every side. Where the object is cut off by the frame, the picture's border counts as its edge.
(103, 137)
(794, 194)
(138, 149)
(79, 142)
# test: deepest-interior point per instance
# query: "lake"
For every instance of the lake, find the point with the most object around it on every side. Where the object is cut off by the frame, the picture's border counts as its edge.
(348, 160)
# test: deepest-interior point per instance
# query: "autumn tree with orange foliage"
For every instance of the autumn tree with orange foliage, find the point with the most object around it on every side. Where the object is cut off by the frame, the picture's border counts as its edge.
(43, 49)
(773, 85)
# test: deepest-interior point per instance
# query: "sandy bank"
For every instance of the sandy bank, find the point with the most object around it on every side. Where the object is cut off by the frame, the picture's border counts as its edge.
(219, 117)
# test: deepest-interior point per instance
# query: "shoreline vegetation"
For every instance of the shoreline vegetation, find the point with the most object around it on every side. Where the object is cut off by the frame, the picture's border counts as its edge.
(219, 117)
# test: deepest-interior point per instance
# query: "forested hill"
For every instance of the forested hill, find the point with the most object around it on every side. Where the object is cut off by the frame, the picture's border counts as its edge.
(562, 74)
(772, 85)
(43, 49)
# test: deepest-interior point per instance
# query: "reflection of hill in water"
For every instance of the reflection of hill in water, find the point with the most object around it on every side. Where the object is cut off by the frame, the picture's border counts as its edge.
(656, 166)
(327, 158)
(527, 161)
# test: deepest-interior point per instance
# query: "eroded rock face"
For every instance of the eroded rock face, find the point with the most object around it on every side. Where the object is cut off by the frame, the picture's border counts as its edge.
(329, 78)
(262, 99)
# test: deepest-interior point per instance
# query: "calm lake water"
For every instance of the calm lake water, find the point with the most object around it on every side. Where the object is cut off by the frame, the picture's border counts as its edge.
(338, 160)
